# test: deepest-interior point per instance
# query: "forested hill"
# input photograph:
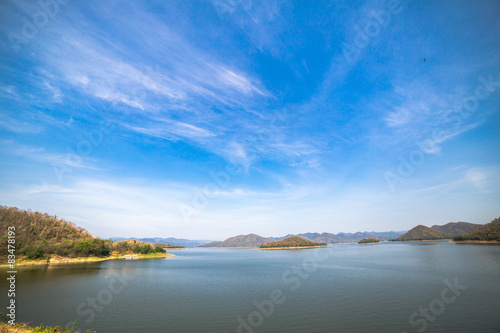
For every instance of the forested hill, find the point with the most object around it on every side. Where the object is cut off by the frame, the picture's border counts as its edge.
(290, 242)
(488, 232)
(421, 232)
(250, 240)
(38, 232)
(39, 235)
(456, 228)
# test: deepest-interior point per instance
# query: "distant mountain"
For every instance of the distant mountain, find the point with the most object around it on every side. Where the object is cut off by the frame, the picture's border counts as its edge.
(421, 232)
(250, 240)
(456, 228)
(291, 242)
(342, 237)
(387, 235)
(488, 232)
(170, 240)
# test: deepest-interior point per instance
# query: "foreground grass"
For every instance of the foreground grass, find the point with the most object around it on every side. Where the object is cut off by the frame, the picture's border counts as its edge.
(25, 328)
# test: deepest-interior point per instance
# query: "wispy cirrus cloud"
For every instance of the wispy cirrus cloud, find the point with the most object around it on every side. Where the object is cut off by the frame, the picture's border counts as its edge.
(175, 77)
(179, 93)
(39, 154)
(174, 130)
(14, 124)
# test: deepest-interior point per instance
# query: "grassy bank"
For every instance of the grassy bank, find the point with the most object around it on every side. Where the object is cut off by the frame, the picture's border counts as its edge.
(59, 260)
(53, 260)
(420, 240)
(476, 242)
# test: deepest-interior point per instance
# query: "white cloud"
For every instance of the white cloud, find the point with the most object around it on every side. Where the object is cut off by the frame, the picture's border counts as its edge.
(19, 126)
(40, 155)
(398, 117)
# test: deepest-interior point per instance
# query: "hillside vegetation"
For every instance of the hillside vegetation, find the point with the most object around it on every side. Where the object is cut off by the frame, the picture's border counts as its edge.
(421, 232)
(39, 235)
(293, 241)
(343, 237)
(488, 232)
(135, 246)
(456, 228)
(170, 240)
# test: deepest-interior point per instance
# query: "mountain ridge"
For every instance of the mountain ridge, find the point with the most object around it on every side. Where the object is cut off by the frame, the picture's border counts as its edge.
(170, 240)
(291, 242)
(489, 232)
(250, 240)
(456, 228)
(421, 233)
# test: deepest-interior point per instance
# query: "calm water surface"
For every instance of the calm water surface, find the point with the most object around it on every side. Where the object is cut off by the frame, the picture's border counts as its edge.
(345, 288)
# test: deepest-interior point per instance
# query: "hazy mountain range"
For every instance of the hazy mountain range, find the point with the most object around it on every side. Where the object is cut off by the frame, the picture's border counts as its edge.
(343, 237)
(253, 240)
(170, 240)
(250, 240)
(420, 232)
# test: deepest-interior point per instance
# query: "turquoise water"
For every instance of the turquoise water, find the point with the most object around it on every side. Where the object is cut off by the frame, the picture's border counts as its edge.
(343, 288)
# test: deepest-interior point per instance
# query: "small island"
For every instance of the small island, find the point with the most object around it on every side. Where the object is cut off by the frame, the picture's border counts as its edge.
(293, 242)
(369, 240)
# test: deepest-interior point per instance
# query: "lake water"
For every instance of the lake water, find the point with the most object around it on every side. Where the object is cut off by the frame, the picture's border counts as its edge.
(343, 288)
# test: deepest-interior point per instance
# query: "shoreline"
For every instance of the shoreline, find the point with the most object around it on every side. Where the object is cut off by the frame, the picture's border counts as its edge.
(58, 260)
(227, 247)
(494, 242)
(292, 247)
(423, 240)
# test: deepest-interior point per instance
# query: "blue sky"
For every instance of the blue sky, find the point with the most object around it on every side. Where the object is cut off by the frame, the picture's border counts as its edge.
(208, 119)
